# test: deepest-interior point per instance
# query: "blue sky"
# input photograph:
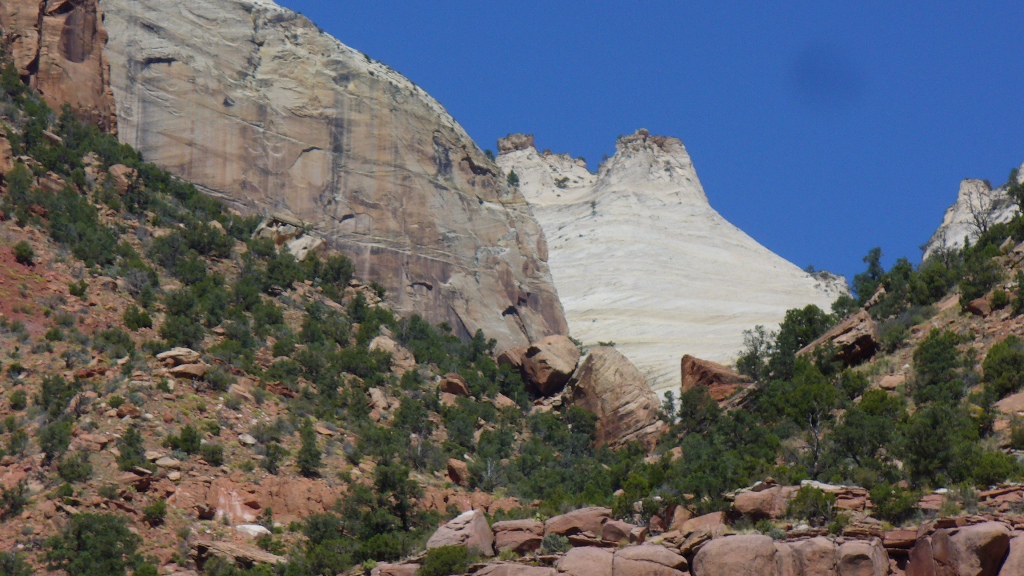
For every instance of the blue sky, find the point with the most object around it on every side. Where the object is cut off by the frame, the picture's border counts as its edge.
(820, 128)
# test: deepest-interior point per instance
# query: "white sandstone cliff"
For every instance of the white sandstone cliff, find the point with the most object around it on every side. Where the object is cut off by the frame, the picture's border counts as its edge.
(640, 258)
(977, 207)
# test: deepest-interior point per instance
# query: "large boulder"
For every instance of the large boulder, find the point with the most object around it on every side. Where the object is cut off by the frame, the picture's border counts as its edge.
(976, 550)
(1014, 564)
(257, 106)
(648, 560)
(608, 385)
(748, 555)
(385, 569)
(815, 557)
(508, 569)
(720, 381)
(586, 561)
(582, 520)
(862, 558)
(855, 339)
(548, 364)
(767, 503)
(469, 529)
(520, 536)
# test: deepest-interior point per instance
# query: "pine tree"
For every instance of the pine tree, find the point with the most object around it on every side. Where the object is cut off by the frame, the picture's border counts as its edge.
(308, 458)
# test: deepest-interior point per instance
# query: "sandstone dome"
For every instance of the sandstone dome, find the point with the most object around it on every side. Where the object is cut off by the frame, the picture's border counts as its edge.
(639, 256)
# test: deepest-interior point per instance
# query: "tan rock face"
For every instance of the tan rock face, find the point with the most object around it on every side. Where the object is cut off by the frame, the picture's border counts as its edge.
(252, 102)
(59, 46)
(468, 529)
(582, 520)
(586, 561)
(520, 536)
(607, 384)
(977, 550)
(548, 364)
(720, 381)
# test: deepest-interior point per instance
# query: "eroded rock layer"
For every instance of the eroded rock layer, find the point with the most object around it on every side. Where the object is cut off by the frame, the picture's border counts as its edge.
(256, 105)
(640, 257)
(57, 45)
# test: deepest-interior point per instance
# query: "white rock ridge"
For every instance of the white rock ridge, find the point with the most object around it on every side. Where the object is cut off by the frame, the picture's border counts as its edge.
(977, 207)
(256, 105)
(639, 256)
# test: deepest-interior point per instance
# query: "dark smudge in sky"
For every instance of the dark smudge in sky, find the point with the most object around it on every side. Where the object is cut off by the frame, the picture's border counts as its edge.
(824, 76)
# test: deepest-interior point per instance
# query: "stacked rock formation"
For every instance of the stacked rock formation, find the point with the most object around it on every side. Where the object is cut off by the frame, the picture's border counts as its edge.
(641, 258)
(977, 207)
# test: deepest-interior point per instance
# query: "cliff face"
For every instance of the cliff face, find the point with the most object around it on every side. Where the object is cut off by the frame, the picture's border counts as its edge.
(254, 104)
(57, 45)
(640, 257)
(977, 207)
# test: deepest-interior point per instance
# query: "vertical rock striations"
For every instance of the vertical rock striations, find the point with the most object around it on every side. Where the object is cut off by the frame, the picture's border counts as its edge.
(57, 45)
(641, 258)
(978, 206)
(256, 105)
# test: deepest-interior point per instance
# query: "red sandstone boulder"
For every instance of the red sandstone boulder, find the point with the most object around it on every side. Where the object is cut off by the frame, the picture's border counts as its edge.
(768, 503)
(520, 536)
(469, 530)
(1014, 563)
(736, 556)
(549, 363)
(395, 570)
(509, 569)
(458, 471)
(856, 339)
(720, 381)
(976, 550)
(862, 558)
(452, 383)
(586, 561)
(582, 520)
(513, 357)
(648, 560)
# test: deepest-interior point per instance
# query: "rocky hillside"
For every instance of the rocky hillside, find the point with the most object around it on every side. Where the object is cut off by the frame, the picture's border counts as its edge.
(257, 106)
(978, 206)
(640, 257)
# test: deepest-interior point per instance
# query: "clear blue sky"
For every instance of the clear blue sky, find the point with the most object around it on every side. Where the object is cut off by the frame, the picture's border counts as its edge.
(820, 128)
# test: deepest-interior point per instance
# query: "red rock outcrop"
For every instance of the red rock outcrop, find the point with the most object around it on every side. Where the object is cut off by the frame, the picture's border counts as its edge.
(582, 520)
(856, 339)
(607, 384)
(720, 381)
(736, 556)
(58, 45)
(520, 536)
(586, 561)
(977, 550)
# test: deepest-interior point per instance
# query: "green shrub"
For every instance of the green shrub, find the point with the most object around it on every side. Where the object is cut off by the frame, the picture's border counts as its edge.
(13, 500)
(75, 468)
(78, 288)
(554, 544)
(812, 505)
(115, 402)
(213, 454)
(14, 564)
(24, 254)
(1004, 367)
(187, 441)
(894, 504)
(136, 319)
(54, 438)
(19, 400)
(132, 451)
(445, 560)
(155, 513)
(93, 544)
(308, 457)
(115, 343)
(54, 334)
(768, 528)
(999, 299)
(273, 453)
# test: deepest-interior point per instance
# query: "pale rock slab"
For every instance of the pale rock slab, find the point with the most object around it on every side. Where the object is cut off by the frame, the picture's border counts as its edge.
(641, 258)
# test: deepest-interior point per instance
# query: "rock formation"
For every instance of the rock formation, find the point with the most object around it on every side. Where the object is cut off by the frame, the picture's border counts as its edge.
(641, 258)
(255, 105)
(720, 381)
(607, 384)
(58, 46)
(977, 207)
(855, 339)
